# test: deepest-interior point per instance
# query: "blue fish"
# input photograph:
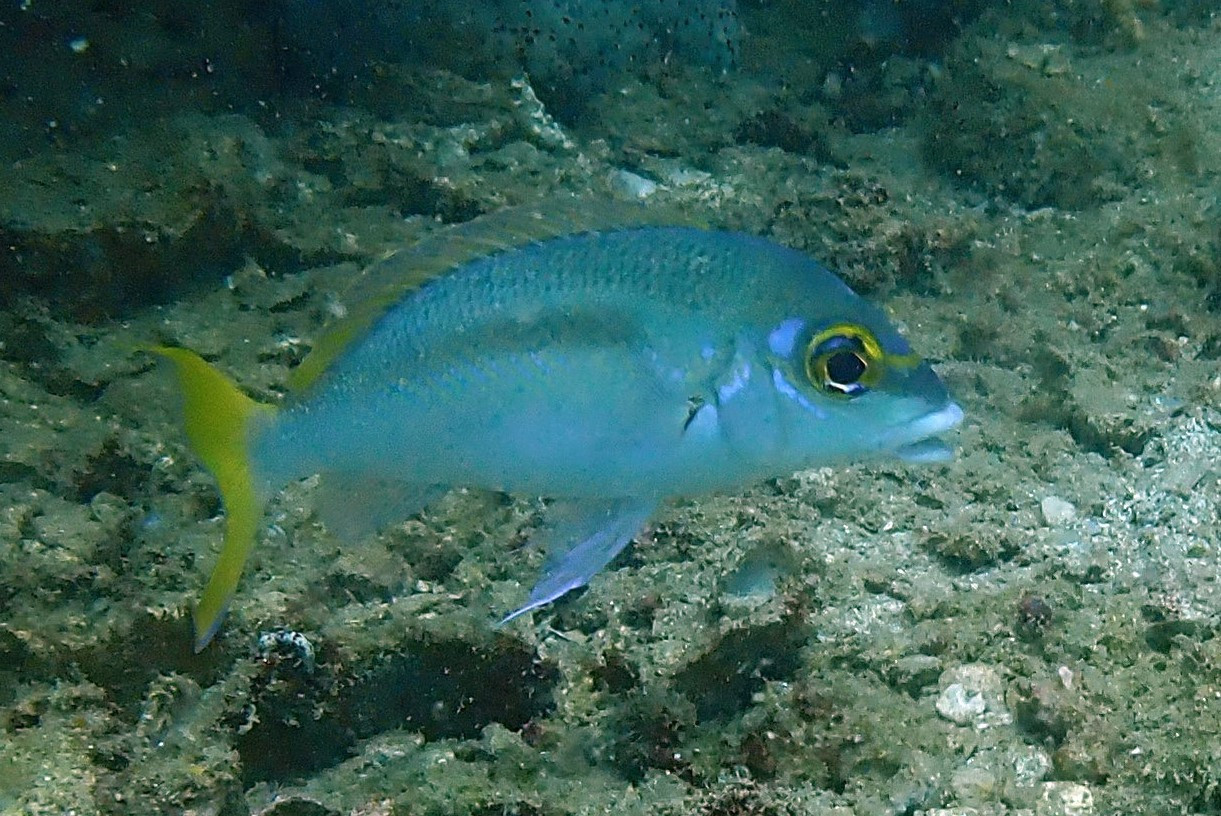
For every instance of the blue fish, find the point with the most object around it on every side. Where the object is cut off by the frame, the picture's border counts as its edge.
(609, 369)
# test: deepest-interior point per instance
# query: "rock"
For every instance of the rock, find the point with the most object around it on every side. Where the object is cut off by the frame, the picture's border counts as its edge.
(1065, 799)
(960, 706)
(973, 694)
(1057, 512)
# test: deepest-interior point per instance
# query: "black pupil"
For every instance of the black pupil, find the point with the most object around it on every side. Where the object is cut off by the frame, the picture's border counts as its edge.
(845, 367)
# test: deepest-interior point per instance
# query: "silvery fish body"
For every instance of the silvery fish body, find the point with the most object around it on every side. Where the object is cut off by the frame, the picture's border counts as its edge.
(607, 370)
(641, 363)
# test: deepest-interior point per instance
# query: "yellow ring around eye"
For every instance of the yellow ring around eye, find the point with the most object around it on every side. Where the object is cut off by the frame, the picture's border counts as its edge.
(868, 350)
(853, 331)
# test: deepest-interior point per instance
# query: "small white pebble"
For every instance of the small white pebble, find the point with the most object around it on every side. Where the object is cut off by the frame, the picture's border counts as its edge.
(958, 705)
(1057, 512)
(1065, 799)
(631, 185)
(1030, 765)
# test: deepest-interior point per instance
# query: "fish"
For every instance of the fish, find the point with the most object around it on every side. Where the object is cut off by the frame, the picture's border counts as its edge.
(606, 366)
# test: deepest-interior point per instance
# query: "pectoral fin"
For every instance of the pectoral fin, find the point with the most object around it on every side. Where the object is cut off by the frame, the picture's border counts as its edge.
(582, 537)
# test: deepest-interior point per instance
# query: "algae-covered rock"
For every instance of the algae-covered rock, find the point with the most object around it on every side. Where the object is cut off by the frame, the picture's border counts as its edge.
(878, 639)
(1024, 121)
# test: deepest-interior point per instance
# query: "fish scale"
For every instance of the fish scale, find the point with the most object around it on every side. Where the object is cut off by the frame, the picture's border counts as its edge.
(609, 370)
(441, 322)
(450, 325)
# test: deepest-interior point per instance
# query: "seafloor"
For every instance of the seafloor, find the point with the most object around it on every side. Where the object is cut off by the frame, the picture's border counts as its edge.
(1034, 627)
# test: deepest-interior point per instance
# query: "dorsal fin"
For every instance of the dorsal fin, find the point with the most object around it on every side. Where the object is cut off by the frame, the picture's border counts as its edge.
(385, 282)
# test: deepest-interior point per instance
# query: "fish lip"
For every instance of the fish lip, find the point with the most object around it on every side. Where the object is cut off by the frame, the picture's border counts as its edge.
(924, 427)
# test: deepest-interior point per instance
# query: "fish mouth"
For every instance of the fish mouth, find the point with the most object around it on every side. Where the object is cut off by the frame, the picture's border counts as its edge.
(917, 440)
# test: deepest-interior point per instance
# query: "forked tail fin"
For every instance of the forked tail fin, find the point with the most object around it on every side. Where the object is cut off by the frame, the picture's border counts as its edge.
(217, 418)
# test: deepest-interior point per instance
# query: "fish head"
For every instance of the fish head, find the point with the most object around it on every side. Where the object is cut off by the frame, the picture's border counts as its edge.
(849, 387)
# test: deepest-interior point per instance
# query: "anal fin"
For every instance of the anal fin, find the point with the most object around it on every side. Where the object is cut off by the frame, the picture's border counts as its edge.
(582, 537)
(355, 505)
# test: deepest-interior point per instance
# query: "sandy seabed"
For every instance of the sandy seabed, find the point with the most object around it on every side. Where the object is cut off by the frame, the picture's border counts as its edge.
(1030, 628)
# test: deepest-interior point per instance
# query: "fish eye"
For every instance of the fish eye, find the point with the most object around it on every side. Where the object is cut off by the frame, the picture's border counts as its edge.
(844, 360)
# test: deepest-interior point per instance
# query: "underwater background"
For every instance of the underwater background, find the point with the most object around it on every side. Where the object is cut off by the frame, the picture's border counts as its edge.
(1032, 189)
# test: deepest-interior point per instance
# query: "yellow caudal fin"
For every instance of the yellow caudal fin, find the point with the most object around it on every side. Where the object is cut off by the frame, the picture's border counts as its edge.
(217, 417)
